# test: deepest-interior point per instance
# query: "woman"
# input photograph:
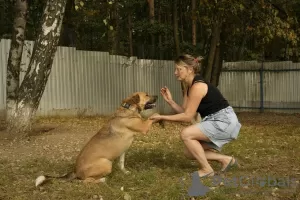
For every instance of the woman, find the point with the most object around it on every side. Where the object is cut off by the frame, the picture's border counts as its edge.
(219, 123)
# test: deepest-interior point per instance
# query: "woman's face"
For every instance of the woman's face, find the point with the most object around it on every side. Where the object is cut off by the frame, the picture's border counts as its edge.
(182, 72)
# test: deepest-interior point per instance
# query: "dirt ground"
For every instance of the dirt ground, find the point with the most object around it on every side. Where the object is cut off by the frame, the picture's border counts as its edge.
(64, 137)
(60, 139)
(52, 138)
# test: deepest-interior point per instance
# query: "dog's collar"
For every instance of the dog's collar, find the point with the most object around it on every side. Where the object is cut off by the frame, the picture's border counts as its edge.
(126, 105)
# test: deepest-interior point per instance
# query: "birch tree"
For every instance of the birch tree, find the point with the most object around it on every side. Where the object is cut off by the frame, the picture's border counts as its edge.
(15, 55)
(38, 71)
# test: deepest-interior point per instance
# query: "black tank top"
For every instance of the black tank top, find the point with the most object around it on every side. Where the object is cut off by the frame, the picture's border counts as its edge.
(212, 102)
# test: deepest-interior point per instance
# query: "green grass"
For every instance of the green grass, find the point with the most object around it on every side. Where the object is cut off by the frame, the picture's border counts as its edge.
(159, 170)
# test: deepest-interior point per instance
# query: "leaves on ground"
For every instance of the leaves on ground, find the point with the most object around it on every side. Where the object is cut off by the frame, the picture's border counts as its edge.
(268, 145)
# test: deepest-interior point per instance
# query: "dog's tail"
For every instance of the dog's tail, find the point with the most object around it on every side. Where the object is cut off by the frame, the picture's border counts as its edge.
(43, 178)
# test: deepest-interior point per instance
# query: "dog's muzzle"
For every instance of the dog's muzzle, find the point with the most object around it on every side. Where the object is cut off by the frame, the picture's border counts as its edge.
(151, 103)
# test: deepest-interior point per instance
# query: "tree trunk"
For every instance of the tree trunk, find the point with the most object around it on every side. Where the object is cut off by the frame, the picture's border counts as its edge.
(36, 77)
(115, 23)
(181, 6)
(242, 48)
(218, 62)
(68, 32)
(220, 65)
(296, 57)
(152, 19)
(160, 35)
(117, 29)
(215, 66)
(175, 28)
(14, 59)
(169, 20)
(130, 34)
(287, 55)
(194, 22)
(2, 17)
(215, 38)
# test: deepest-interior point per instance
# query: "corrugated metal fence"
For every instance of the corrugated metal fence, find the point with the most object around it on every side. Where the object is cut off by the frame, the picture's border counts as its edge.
(88, 82)
(262, 85)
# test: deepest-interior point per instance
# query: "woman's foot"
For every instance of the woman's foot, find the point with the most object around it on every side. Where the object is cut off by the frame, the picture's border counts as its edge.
(205, 173)
(228, 163)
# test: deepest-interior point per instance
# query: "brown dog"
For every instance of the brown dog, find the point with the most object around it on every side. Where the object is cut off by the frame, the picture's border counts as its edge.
(94, 161)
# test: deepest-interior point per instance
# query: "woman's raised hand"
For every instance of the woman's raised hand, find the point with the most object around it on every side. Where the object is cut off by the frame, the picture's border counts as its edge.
(165, 92)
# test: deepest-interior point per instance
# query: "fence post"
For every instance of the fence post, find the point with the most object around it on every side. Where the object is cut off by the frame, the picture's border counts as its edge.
(261, 75)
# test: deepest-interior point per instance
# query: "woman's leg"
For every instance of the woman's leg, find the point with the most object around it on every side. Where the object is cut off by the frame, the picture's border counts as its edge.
(188, 154)
(191, 136)
(210, 154)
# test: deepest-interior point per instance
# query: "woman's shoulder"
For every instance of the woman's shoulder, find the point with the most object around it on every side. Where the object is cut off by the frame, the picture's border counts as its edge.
(198, 78)
(198, 83)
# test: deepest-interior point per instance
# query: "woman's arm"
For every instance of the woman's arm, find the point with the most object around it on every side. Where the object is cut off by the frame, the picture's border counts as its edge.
(178, 108)
(197, 92)
(165, 92)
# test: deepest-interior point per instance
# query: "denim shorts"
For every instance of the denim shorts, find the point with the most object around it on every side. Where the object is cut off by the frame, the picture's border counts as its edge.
(220, 127)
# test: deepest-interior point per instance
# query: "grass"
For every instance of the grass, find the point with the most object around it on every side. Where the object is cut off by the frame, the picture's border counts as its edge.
(268, 146)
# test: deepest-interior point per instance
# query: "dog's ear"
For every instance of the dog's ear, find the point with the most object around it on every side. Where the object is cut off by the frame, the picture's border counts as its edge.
(135, 99)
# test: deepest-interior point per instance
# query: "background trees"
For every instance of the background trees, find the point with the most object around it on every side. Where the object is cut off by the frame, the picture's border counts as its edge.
(137, 27)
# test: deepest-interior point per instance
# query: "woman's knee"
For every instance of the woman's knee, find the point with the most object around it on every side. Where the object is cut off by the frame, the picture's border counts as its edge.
(185, 134)
(193, 133)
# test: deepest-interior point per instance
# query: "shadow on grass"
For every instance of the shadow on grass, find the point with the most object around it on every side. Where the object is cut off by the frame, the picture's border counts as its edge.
(160, 158)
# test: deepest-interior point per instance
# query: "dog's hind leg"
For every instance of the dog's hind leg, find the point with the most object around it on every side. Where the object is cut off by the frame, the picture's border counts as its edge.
(122, 164)
(96, 171)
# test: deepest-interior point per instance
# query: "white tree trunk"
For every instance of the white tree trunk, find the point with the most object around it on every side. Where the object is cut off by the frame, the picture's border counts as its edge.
(14, 59)
(36, 77)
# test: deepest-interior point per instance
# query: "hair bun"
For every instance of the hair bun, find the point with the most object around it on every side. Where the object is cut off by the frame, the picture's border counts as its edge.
(199, 59)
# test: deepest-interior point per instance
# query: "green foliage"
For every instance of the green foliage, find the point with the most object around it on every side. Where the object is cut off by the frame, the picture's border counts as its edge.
(249, 28)
(261, 22)
(6, 17)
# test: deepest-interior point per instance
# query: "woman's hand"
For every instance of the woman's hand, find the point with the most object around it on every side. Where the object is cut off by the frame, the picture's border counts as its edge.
(155, 117)
(165, 92)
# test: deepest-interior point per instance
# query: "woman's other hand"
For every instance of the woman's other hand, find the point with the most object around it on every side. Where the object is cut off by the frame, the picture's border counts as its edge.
(165, 92)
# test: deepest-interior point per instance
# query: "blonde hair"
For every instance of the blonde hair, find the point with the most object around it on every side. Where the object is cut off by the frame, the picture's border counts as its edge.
(191, 61)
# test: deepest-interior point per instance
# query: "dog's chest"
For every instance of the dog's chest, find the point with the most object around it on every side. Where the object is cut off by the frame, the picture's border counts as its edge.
(122, 134)
(123, 140)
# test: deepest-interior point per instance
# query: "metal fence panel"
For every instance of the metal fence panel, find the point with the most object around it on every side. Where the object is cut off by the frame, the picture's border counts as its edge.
(241, 89)
(89, 83)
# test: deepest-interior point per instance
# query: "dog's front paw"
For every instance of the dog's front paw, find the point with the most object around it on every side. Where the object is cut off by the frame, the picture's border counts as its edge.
(93, 180)
(125, 171)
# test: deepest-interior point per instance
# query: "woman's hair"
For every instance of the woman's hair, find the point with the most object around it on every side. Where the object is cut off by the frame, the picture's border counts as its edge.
(190, 61)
